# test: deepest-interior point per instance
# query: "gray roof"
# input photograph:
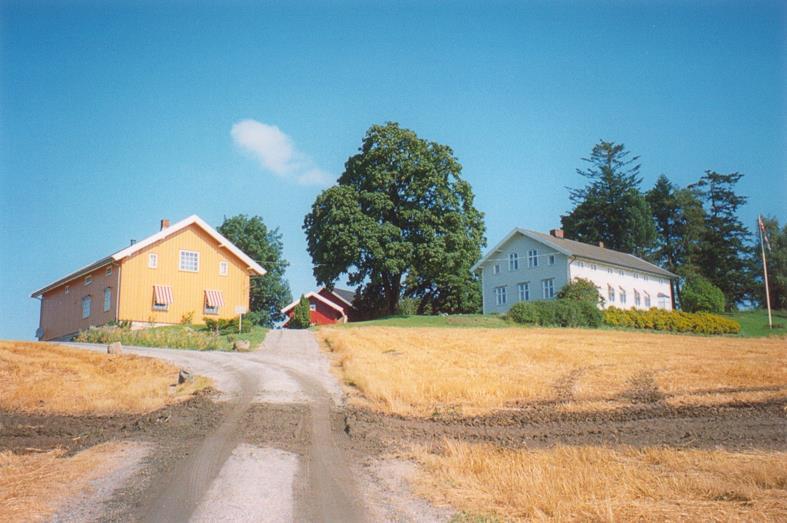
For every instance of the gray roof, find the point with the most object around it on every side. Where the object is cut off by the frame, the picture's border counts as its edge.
(345, 294)
(585, 250)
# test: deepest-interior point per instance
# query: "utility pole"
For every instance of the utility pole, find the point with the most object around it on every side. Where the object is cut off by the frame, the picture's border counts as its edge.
(761, 227)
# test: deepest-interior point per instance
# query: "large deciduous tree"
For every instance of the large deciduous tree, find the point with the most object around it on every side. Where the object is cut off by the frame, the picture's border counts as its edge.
(399, 222)
(271, 292)
(611, 207)
(723, 248)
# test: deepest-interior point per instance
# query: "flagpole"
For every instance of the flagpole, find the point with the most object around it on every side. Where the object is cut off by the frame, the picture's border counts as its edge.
(760, 226)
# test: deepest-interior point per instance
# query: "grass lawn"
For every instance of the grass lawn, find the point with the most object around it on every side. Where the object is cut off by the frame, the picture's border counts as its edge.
(755, 323)
(196, 337)
(423, 370)
(489, 321)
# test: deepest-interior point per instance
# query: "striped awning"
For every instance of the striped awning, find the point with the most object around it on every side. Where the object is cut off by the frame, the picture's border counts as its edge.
(162, 294)
(214, 298)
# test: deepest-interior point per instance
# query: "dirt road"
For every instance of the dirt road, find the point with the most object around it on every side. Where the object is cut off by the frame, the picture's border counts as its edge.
(276, 449)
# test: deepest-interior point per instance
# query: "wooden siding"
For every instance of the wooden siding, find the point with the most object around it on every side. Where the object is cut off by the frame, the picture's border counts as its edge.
(322, 315)
(61, 313)
(137, 279)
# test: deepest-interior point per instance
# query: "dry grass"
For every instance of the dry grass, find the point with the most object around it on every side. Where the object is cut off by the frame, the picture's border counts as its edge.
(607, 485)
(53, 379)
(32, 486)
(418, 371)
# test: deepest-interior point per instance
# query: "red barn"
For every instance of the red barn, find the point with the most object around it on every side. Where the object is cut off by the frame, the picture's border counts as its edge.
(327, 307)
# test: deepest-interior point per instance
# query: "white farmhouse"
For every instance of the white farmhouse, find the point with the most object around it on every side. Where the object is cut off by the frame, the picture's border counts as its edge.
(529, 265)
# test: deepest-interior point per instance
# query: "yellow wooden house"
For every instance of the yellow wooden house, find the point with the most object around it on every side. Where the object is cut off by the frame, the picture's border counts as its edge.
(185, 269)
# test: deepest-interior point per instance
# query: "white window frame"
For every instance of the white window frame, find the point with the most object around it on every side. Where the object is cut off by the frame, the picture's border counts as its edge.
(496, 268)
(548, 288)
(622, 295)
(500, 295)
(621, 272)
(107, 298)
(67, 289)
(593, 266)
(637, 298)
(523, 289)
(551, 259)
(313, 307)
(611, 293)
(152, 260)
(87, 306)
(88, 280)
(160, 306)
(609, 270)
(647, 300)
(109, 271)
(513, 262)
(645, 277)
(662, 302)
(532, 258)
(224, 268)
(195, 257)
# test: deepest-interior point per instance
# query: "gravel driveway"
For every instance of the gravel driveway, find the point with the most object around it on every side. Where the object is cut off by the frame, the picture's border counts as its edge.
(278, 451)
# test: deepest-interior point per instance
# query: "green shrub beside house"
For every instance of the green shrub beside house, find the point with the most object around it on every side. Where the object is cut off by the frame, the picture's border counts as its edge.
(672, 321)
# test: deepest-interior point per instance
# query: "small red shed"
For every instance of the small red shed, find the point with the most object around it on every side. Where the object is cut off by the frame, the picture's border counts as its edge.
(327, 306)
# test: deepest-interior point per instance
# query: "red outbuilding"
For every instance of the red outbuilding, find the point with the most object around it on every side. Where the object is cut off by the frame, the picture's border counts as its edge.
(326, 306)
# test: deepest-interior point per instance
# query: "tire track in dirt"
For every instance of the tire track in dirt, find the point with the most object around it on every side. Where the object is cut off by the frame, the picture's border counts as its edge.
(185, 488)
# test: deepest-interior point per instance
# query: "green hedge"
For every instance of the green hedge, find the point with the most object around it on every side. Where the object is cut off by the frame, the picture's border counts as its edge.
(176, 338)
(674, 321)
(556, 313)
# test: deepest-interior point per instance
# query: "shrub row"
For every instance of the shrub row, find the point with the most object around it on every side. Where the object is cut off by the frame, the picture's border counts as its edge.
(228, 325)
(675, 321)
(181, 338)
(559, 313)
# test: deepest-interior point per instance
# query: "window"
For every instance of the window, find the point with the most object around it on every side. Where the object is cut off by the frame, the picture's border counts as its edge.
(593, 266)
(524, 291)
(312, 307)
(513, 261)
(162, 297)
(532, 258)
(67, 289)
(581, 264)
(189, 261)
(496, 268)
(88, 280)
(211, 309)
(223, 268)
(637, 300)
(109, 271)
(636, 275)
(152, 260)
(87, 301)
(609, 270)
(622, 295)
(647, 300)
(548, 286)
(611, 293)
(500, 295)
(645, 277)
(107, 299)
(551, 259)
(662, 301)
(622, 272)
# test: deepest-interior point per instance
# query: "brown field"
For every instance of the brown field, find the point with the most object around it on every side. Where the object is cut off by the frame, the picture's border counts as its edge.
(33, 485)
(604, 484)
(419, 371)
(53, 379)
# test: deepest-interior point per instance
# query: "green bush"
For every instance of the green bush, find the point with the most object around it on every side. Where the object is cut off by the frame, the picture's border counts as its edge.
(673, 321)
(557, 313)
(228, 325)
(581, 289)
(700, 295)
(301, 315)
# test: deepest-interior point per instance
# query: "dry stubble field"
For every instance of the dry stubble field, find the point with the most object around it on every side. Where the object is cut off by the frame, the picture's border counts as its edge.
(427, 372)
(49, 380)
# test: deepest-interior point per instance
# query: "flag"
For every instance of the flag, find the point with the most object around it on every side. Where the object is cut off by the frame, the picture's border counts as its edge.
(761, 224)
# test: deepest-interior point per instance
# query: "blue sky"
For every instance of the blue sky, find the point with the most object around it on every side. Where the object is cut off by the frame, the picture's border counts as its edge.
(112, 117)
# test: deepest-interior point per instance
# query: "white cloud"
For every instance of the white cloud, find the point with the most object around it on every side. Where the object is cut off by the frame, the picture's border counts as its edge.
(276, 152)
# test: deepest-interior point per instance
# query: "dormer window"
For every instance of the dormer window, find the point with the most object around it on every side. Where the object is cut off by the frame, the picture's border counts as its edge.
(88, 279)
